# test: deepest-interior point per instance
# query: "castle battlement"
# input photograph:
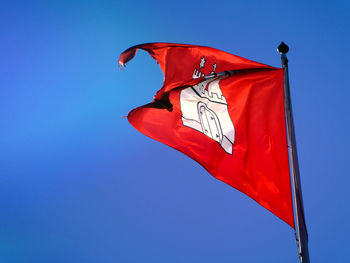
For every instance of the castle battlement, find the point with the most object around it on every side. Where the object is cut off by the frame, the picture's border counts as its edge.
(210, 89)
(197, 74)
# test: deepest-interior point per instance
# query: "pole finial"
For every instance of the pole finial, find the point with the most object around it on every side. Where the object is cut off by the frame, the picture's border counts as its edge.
(283, 48)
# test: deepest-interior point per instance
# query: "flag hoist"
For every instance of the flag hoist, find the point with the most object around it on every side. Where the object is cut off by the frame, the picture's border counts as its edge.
(300, 225)
(231, 115)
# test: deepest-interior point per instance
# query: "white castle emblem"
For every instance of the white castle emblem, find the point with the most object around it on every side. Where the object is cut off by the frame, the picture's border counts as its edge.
(204, 109)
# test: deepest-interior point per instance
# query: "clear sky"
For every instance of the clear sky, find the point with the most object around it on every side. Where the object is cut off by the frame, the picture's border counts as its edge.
(80, 184)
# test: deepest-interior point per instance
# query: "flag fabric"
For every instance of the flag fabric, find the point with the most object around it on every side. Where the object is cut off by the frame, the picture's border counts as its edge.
(226, 113)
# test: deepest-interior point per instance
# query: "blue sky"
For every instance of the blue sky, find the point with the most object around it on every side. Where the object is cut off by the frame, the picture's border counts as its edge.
(79, 184)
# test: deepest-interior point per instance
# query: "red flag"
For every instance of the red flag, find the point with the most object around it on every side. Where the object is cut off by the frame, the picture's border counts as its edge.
(225, 112)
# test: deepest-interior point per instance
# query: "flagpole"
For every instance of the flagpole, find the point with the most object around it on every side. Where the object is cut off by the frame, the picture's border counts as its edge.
(300, 226)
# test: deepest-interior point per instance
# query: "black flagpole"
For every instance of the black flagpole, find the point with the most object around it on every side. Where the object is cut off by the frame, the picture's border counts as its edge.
(300, 226)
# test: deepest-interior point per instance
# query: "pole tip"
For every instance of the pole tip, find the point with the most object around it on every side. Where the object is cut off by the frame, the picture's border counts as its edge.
(283, 48)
